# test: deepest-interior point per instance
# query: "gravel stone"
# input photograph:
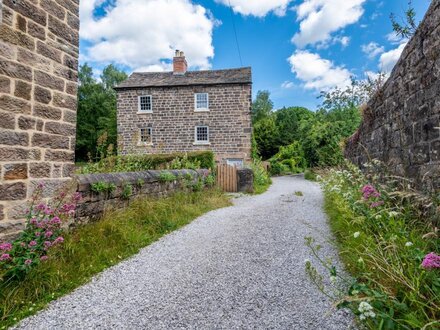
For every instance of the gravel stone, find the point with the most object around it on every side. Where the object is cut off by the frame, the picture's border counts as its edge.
(240, 267)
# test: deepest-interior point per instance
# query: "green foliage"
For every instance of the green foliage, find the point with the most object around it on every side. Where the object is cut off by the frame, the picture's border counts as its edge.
(135, 163)
(91, 248)
(103, 187)
(262, 107)
(127, 191)
(408, 26)
(96, 116)
(166, 176)
(310, 175)
(384, 230)
(210, 180)
(181, 163)
(299, 193)
(290, 159)
(262, 179)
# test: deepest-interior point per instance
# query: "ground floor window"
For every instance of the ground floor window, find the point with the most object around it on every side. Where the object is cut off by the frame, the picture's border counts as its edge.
(202, 134)
(146, 135)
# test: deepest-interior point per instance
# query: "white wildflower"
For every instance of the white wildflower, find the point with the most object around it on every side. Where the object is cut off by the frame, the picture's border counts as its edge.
(333, 279)
(393, 214)
(360, 260)
(366, 310)
(356, 234)
(408, 244)
(306, 261)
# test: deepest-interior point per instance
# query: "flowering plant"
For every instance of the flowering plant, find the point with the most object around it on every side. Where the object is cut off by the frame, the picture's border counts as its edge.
(43, 231)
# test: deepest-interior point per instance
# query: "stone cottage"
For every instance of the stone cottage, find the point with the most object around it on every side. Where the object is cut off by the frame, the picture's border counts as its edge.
(182, 111)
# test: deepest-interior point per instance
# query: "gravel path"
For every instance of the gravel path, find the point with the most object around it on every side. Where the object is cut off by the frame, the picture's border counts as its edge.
(240, 267)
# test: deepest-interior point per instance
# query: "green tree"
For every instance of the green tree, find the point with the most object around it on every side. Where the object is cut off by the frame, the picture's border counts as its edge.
(96, 122)
(262, 106)
(407, 25)
(265, 131)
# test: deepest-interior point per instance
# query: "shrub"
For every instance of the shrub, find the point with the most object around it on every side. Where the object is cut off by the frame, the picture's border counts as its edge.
(43, 232)
(127, 191)
(261, 178)
(166, 176)
(134, 163)
(390, 246)
(289, 159)
(210, 180)
(310, 175)
(103, 187)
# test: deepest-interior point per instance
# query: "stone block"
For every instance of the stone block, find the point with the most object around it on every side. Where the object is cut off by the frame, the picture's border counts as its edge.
(23, 90)
(21, 23)
(26, 123)
(16, 37)
(34, 60)
(7, 51)
(59, 156)
(15, 70)
(46, 80)
(63, 31)
(15, 171)
(53, 9)
(42, 95)
(47, 112)
(64, 101)
(7, 120)
(27, 9)
(12, 138)
(5, 85)
(50, 141)
(49, 52)
(39, 170)
(12, 191)
(245, 180)
(12, 104)
(36, 30)
(60, 128)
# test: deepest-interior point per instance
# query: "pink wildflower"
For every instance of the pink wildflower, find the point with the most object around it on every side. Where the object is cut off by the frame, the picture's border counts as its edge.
(376, 204)
(40, 185)
(41, 207)
(55, 221)
(22, 244)
(369, 191)
(44, 258)
(5, 257)
(59, 240)
(6, 247)
(48, 234)
(431, 261)
(32, 243)
(37, 234)
(33, 221)
(28, 262)
(47, 244)
(76, 197)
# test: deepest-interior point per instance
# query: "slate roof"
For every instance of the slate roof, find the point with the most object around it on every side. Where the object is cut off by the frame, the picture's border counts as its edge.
(190, 78)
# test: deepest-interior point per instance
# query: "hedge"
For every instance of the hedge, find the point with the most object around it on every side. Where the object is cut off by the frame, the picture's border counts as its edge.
(135, 163)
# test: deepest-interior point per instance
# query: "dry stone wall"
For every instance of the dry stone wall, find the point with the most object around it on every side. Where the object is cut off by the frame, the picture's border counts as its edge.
(173, 120)
(38, 86)
(135, 185)
(401, 124)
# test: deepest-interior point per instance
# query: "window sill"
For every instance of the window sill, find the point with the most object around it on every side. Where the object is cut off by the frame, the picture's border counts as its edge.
(145, 145)
(201, 110)
(202, 143)
(144, 112)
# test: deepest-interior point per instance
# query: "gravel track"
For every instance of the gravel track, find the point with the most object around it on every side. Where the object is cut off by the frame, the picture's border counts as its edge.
(240, 267)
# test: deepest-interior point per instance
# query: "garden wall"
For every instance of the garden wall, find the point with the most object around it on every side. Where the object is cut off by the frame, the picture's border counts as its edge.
(142, 184)
(401, 124)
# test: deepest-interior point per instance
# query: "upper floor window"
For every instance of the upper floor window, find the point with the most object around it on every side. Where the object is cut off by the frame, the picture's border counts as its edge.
(145, 103)
(201, 102)
(202, 135)
(146, 135)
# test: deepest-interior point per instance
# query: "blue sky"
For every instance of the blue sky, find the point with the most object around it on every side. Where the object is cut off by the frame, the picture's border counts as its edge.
(295, 48)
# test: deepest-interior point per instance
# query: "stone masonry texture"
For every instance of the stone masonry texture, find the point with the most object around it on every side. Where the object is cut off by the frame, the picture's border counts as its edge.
(401, 124)
(173, 120)
(38, 84)
(140, 184)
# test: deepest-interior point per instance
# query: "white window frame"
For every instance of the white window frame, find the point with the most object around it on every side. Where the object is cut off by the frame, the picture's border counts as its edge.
(196, 141)
(237, 162)
(195, 103)
(139, 104)
(140, 142)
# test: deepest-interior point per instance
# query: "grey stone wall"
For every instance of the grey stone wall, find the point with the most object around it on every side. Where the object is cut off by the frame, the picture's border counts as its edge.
(38, 85)
(173, 120)
(401, 124)
(142, 184)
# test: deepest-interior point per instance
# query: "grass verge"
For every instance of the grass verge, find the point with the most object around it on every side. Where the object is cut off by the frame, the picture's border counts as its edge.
(94, 247)
(383, 240)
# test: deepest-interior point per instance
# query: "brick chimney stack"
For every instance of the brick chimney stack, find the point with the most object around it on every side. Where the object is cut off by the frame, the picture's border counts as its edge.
(180, 66)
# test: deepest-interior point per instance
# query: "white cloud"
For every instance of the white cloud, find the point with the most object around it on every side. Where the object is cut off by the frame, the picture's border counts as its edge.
(257, 8)
(372, 49)
(389, 59)
(142, 33)
(320, 18)
(287, 84)
(394, 38)
(318, 73)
